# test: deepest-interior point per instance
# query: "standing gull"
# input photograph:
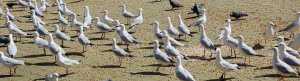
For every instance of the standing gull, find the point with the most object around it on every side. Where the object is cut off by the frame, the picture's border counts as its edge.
(182, 27)
(126, 37)
(161, 57)
(157, 32)
(38, 12)
(126, 14)
(40, 29)
(205, 41)
(171, 30)
(107, 19)
(53, 47)
(59, 7)
(269, 33)
(52, 77)
(43, 6)
(35, 18)
(172, 40)
(293, 26)
(228, 25)
(10, 62)
(13, 29)
(87, 18)
(104, 28)
(22, 3)
(295, 44)
(289, 50)
(120, 53)
(223, 64)
(138, 20)
(65, 62)
(287, 58)
(202, 19)
(11, 48)
(170, 50)
(83, 40)
(66, 11)
(181, 72)
(63, 21)
(61, 36)
(10, 16)
(229, 41)
(175, 4)
(40, 42)
(280, 66)
(246, 50)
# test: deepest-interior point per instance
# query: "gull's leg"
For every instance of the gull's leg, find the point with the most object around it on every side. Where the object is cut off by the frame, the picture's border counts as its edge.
(245, 61)
(15, 70)
(10, 71)
(67, 70)
(120, 62)
(45, 51)
(158, 67)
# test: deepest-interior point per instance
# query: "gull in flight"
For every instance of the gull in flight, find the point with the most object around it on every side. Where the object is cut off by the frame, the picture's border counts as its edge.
(181, 72)
(40, 42)
(161, 57)
(10, 62)
(119, 52)
(65, 62)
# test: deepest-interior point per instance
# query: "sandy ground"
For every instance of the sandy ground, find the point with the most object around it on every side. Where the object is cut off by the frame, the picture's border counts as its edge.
(98, 62)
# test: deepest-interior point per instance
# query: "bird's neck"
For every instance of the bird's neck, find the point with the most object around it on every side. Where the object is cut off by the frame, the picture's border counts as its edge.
(180, 20)
(167, 42)
(170, 24)
(276, 57)
(240, 41)
(140, 13)
(156, 26)
(219, 56)
(156, 46)
(114, 45)
(201, 29)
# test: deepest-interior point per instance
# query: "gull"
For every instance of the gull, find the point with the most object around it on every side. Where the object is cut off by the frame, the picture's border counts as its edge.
(119, 52)
(293, 26)
(181, 72)
(15, 30)
(43, 6)
(280, 66)
(102, 27)
(287, 58)
(10, 16)
(172, 40)
(40, 42)
(52, 77)
(63, 21)
(107, 19)
(183, 28)
(30, 5)
(171, 30)
(11, 47)
(10, 62)
(38, 12)
(66, 10)
(47, 4)
(228, 25)
(295, 44)
(87, 18)
(61, 36)
(223, 64)
(138, 20)
(170, 50)
(157, 32)
(202, 19)
(83, 40)
(269, 33)
(40, 29)
(65, 62)
(175, 4)
(290, 50)
(229, 41)
(205, 41)
(118, 27)
(53, 47)
(126, 14)
(161, 57)
(245, 49)
(35, 18)
(75, 23)
(59, 8)
(22, 3)
(126, 37)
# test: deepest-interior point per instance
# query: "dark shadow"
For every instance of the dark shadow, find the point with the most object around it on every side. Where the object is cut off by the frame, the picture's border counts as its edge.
(109, 50)
(148, 47)
(53, 13)
(191, 17)
(245, 65)
(64, 46)
(266, 67)
(154, 1)
(238, 19)
(201, 58)
(65, 75)
(108, 66)
(34, 56)
(16, 10)
(32, 30)
(260, 55)
(6, 76)
(218, 45)
(131, 32)
(230, 57)
(220, 79)
(182, 40)
(75, 1)
(43, 64)
(193, 32)
(156, 65)
(96, 38)
(27, 42)
(149, 73)
(75, 53)
(274, 76)
(172, 9)
(30, 36)
(26, 16)
(286, 39)
(149, 56)
(3, 26)
(52, 19)
(258, 46)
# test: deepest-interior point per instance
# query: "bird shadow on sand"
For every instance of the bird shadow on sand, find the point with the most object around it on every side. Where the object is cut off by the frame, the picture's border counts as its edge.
(26, 16)
(193, 32)
(147, 47)
(108, 50)
(218, 45)
(74, 1)
(273, 76)
(193, 17)
(3, 26)
(99, 39)
(201, 58)
(266, 67)
(225, 79)
(149, 56)
(245, 65)
(182, 40)
(6, 76)
(172, 9)
(154, 1)
(34, 56)
(238, 19)
(131, 32)
(27, 42)
(75, 54)
(149, 73)
(157, 65)
(17, 10)
(42, 64)
(108, 66)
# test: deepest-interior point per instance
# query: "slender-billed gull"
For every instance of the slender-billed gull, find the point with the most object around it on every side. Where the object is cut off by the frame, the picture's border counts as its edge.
(52, 77)
(63, 21)
(59, 7)
(15, 30)
(11, 47)
(10, 16)
(229, 41)
(126, 37)
(126, 14)
(22, 3)
(65, 62)
(269, 33)
(289, 50)
(183, 28)
(246, 50)
(293, 26)
(201, 20)
(280, 66)
(157, 32)
(40, 42)
(38, 12)
(295, 44)
(74, 23)
(223, 64)
(138, 20)
(119, 52)
(170, 50)
(287, 58)
(83, 40)
(181, 72)
(104, 28)
(107, 19)
(41, 29)
(53, 47)
(35, 18)
(161, 57)
(87, 18)
(66, 11)
(10, 62)
(205, 41)
(171, 30)
(228, 25)
(61, 36)
(172, 40)
(175, 4)
(43, 6)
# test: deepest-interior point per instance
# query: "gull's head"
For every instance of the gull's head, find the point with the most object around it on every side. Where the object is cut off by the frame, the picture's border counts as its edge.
(281, 46)
(35, 34)
(155, 22)
(113, 40)
(104, 11)
(272, 24)
(165, 33)
(32, 11)
(55, 75)
(50, 36)
(141, 9)
(179, 16)
(56, 27)
(156, 42)
(240, 37)
(298, 13)
(9, 22)
(228, 20)
(10, 35)
(86, 7)
(169, 19)
(95, 19)
(122, 26)
(218, 50)
(279, 38)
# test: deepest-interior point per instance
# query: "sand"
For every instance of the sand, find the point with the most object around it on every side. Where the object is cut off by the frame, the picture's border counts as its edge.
(98, 62)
